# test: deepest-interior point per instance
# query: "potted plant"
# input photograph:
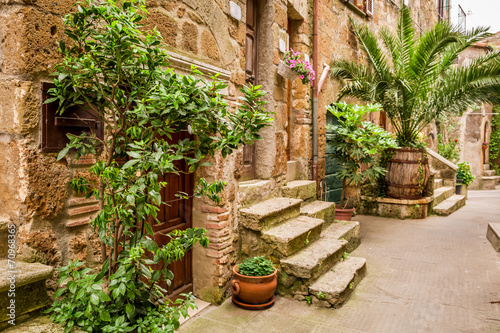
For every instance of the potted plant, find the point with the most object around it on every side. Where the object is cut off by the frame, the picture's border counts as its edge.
(291, 67)
(464, 177)
(415, 79)
(485, 145)
(254, 283)
(355, 141)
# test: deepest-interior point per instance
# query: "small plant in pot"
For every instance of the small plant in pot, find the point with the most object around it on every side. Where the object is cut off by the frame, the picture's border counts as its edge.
(464, 176)
(254, 283)
(354, 142)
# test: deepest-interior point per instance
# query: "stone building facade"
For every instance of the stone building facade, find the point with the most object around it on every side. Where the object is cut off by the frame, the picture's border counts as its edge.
(35, 195)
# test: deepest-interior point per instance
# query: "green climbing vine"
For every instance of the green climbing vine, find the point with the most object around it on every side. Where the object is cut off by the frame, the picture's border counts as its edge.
(495, 138)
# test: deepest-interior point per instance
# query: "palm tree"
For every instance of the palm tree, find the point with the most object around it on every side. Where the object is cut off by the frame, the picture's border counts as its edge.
(416, 79)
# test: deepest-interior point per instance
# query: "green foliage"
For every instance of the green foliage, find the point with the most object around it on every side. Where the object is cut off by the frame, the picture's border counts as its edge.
(464, 172)
(156, 122)
(449, 150)
(309, 299)
(416, 80)
(256, 266)
(495, 137)
(321, 295)
(355, 141)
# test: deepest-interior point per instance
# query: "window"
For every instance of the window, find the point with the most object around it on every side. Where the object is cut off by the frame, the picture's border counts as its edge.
(366, 6)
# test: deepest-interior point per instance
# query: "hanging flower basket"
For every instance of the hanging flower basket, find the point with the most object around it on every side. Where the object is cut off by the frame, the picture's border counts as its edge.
(286, 72)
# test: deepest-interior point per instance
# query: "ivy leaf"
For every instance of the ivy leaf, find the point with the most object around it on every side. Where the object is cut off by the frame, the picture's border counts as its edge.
(63, 152)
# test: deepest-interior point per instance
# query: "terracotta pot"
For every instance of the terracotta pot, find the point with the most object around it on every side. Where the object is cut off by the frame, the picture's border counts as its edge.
(254, 289)
(343, 214)
(484, 146)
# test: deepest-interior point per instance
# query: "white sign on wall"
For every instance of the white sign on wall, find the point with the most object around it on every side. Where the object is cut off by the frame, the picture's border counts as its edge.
(235, 10)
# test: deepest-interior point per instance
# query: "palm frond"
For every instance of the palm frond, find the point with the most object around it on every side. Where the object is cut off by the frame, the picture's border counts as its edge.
(369, 45)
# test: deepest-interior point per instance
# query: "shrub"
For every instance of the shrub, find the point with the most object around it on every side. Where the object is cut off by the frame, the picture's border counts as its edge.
(256, 266)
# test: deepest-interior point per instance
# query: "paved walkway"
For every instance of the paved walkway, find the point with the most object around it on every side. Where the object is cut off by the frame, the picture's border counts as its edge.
(433, 275)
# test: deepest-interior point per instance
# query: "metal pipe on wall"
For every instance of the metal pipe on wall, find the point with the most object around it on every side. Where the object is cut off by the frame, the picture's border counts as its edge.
(315, 93)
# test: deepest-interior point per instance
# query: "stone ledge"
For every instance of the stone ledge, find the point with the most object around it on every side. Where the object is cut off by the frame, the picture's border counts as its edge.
(424, 200)
(395, 208)
(493, 235)
(25, 273)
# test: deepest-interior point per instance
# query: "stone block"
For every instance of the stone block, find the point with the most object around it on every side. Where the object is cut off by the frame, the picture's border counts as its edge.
(338, 284)
(493, 235)
(209, 45)
(30, 292)
(19, 108)
(269, 213)
(315, 259)
(189, 37)
(450, 205)
(300, 189)
(320, 210)
(293, 235)
(11, 188)
(395, 208)
(29, 40)
(165, 24)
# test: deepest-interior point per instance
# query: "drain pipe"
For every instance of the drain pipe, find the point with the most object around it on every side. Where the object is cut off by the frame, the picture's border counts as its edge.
(315, 93)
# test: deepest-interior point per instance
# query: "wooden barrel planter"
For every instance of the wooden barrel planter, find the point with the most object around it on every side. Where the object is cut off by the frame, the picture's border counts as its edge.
(407, 173)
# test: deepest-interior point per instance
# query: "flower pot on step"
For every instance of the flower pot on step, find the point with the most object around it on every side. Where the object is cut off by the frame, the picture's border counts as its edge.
(286, 72)
(344, 214)
(254, 292)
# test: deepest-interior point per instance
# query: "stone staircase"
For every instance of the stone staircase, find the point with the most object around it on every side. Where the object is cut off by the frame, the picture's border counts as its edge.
(22, 285)
(489, 180)
(300, 235)
(445, 200)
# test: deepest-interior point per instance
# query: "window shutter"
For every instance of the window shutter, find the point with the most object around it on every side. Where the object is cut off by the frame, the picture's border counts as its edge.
(369, 7)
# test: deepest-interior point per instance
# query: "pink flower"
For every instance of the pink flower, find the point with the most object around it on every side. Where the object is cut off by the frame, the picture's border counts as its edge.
(292, 65)
(302, 77)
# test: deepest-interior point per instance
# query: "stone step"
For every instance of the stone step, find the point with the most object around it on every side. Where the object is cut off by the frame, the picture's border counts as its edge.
(489, 183)
(486, 166)
(312, 261)
(450, 205)
(442, 193)
(489, 173)
(269, 213)
(337, 285)
(320, 210)
(300, 189)
(344, 230)
(493, 235)
(294, 234)
(30, 291)
(438, 183)
(253, 191)
(315, 259)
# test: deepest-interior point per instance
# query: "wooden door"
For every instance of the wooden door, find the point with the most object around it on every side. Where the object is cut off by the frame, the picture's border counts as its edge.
(248, 171)
(176, 215)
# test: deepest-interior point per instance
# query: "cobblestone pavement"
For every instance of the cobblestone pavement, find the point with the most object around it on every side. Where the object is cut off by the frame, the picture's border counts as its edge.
(434, 275)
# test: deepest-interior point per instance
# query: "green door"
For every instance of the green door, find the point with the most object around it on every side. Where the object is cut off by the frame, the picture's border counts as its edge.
(333, 183)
